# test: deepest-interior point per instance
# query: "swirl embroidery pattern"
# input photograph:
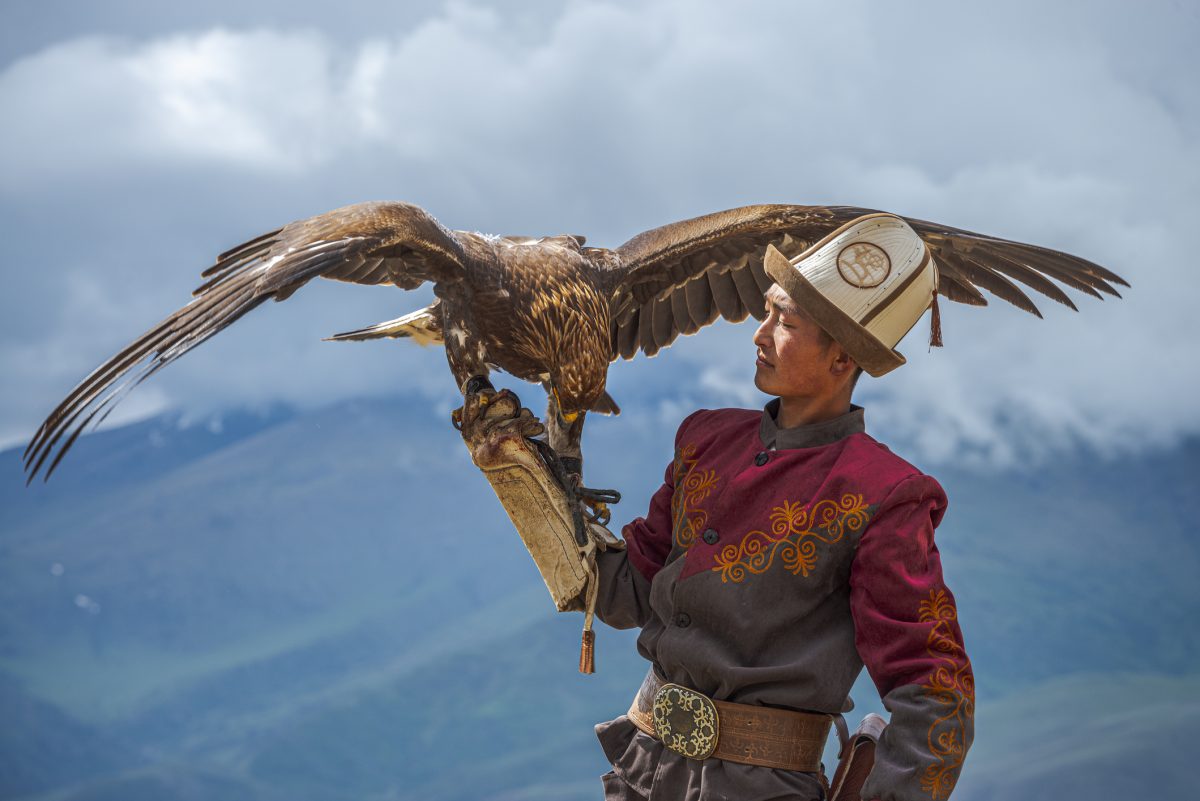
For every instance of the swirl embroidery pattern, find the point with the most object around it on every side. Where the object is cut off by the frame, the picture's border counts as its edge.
(692, 486)
(795, 530)
(952, 685)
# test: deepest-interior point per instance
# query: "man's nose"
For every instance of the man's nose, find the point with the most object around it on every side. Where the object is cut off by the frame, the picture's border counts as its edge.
(760, 337)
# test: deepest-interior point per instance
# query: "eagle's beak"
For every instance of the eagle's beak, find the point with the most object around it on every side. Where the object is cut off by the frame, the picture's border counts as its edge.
(568, 417)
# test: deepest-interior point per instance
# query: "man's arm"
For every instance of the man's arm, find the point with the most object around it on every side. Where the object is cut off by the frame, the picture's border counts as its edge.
(625, 576)
(907, 633)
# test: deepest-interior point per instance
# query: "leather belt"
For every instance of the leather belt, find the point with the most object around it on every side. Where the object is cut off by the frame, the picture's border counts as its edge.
(697, 727)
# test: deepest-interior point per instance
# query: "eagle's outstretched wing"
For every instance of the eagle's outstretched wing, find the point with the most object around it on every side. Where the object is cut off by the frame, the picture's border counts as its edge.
(679, 278)
(367, 243)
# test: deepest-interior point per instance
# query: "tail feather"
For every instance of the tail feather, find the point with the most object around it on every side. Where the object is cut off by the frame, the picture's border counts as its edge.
(422, 326)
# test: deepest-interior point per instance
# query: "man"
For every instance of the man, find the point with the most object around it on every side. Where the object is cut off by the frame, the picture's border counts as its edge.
(787, 549)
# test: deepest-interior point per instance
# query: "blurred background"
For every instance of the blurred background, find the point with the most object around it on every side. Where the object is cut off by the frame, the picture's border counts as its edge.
(275, 574)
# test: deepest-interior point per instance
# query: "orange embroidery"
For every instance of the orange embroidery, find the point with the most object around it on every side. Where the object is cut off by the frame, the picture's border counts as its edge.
(826, 521)
(691, 487)
(952, 685)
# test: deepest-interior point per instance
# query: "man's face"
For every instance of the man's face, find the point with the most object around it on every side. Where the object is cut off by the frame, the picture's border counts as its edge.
(794, 358)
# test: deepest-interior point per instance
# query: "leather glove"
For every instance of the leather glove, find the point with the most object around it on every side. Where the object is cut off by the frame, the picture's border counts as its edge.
(541, 499)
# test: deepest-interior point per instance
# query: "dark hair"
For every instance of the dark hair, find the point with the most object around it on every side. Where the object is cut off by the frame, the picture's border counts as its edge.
(826, 340)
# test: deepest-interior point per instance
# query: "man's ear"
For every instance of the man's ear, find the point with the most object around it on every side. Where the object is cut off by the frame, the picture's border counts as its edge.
(843, 364)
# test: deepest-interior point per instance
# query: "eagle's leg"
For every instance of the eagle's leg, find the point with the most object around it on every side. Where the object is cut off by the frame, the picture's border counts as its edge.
(565, 439)
(467, 356)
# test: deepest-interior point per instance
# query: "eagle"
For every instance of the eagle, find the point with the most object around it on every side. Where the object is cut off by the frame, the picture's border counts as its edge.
(550, 310)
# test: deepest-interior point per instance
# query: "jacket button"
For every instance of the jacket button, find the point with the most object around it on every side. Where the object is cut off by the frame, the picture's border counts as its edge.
(762, 458)
(683, 620)
(710, 536)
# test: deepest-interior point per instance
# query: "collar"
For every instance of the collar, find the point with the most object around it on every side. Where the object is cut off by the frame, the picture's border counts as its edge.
(810, 435)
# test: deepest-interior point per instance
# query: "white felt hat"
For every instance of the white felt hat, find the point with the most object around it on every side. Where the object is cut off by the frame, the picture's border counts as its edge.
(866, 284)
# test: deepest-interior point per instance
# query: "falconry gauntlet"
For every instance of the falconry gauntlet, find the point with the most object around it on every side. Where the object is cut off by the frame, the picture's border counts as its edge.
(552, 524)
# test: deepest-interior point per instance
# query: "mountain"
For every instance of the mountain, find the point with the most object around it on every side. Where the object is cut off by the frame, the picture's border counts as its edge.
(1109, 736)
(41, 746)
(331, 604)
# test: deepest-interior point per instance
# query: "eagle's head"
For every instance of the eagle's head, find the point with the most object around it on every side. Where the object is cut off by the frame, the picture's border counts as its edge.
(577, 389)
(576, 393)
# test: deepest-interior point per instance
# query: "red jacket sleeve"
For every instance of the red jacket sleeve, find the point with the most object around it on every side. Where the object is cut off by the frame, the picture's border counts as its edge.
(648, 538)
(625, 576)
(907, 633)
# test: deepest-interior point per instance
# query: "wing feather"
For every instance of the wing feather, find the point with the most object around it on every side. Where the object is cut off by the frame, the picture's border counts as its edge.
(995, 283)
(664, 323)
(700, 302)
(1030, 277)
(365, 243)
(957, 287)
(627, 337)
(761, 279)
(1060, 267)
(646, 329)
(1071, 263)
(751, 296)
(681, 313)
(727, 248)
(725, 295)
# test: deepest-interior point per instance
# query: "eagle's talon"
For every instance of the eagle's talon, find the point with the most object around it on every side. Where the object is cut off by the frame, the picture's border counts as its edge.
(595, 501)
(501, 405)
(492, 413)
(599, 512)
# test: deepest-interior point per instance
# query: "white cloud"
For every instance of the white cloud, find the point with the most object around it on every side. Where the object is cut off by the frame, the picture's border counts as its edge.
(259, 100)
(127, 160)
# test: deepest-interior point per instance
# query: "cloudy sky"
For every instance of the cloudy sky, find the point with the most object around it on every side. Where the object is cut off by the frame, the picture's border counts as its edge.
(141, 139)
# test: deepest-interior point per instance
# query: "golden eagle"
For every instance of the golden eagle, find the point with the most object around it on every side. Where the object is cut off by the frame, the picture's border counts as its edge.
(549, 310)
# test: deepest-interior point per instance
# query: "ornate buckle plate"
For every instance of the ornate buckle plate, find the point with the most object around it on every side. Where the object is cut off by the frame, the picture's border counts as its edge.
(686, 721)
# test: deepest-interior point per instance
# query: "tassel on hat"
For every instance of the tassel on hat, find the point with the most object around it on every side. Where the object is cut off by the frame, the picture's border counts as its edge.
(935, 324)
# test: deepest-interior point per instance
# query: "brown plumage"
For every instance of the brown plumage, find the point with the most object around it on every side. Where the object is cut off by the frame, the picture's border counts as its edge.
(548, 310)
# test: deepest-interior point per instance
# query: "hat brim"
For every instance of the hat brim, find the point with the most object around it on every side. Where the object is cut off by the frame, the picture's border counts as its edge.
(867, 351)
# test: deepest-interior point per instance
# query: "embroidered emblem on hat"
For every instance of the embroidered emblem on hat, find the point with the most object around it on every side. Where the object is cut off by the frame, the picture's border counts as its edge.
(863, 264)
(866, 284)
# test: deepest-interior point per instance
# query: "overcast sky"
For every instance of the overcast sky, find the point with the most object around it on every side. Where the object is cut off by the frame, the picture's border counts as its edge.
(139, 140)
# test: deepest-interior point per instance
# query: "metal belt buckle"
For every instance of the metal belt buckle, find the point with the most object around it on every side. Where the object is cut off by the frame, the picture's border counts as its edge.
(686, 721)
